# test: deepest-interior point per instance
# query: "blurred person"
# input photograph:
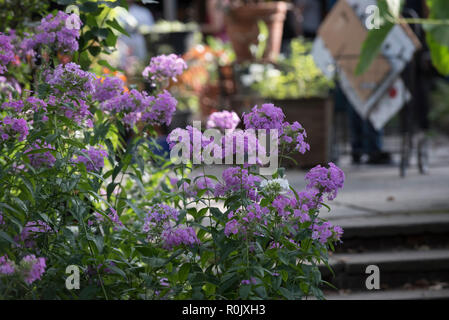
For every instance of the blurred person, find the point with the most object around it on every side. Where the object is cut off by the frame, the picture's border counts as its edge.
(134, 45)
(215, 19)
(365, 139)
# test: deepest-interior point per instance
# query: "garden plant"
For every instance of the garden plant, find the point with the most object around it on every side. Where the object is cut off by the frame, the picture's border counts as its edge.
(81, 186)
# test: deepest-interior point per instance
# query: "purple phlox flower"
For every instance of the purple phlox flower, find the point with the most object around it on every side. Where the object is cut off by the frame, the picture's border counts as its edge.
(113, 217)
(33, 267)
(60, 31)
(159, 215)
(294, 135)
(223, 120)
(13, 128)
(327, 180)
(173, 237)
(95, 162)
(267, 116)
(235, 180)
(7, 267)
(324, 231)
(6, 52)
(107, 88)
(41, 159)
(164, 67)
(72, 79)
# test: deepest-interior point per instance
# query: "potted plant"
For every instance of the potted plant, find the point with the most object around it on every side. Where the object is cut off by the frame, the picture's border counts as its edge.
(296, 83)
(167, 37)
(242, 26)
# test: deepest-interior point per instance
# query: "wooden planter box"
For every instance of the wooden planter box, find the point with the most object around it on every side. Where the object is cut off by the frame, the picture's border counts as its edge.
(314, 114)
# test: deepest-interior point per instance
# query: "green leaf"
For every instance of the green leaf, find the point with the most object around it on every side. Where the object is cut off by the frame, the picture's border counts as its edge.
(184, 272)
(114, 24)
(244, 291)
(286, 293)
(439, 54)
(6, 236)
(373, 43)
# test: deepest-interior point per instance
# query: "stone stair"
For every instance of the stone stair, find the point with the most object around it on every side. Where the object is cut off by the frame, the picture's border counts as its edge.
(411, 251)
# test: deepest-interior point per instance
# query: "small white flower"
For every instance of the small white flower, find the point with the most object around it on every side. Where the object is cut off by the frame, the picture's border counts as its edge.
(280, 185)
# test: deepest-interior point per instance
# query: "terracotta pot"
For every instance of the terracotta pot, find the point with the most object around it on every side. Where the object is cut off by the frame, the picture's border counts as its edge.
(242, 29)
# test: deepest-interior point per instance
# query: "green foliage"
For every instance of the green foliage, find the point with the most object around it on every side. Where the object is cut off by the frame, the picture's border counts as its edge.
(436, 28)
(294, 77)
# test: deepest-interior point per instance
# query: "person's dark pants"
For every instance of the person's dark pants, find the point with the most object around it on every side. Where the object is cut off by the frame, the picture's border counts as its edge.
(364, 138)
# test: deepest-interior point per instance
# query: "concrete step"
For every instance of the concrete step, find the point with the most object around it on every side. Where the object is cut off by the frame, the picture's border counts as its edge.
(390, 231)
(396, 268)
(417, 294)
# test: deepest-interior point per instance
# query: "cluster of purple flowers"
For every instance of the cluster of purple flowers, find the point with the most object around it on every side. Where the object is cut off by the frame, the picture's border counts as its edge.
(162, 109)
(173, 237)
(164, 67)
(72, 79)
(190, 139)
(159, 221)
(294, 134)
(322, 232)
(327, 180)
(223, 120)
(13, 128)
(56, 31)
(6, 52)
(107, 88)
(197, 184)
(237, 180)
(95, 160)
(248, 282)
(41, 159)
(159, 215)
(139, 106)
(113, 217)
(7, 267)
(243, 220)
(32, 230)
(33, 267)
(31, 103)
(2, 221)
(267, 116)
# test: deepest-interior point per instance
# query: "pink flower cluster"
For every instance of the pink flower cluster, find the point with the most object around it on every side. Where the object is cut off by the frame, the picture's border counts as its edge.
(164, 67)
(223, 120)
(95, 160)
